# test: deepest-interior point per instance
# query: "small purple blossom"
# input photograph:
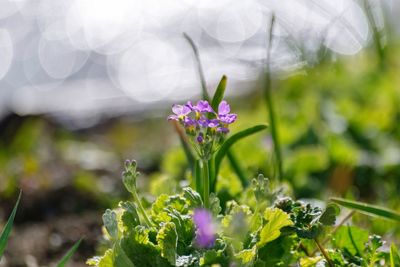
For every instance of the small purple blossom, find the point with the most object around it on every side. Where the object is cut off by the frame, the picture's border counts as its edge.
(205, 228)
(180, 111)
(223, 108)
(202, 106)
(223, 113)
(213, 123)
(200, 138)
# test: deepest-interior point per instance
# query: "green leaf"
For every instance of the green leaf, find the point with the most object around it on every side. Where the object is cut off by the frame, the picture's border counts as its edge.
(215, 206)
(394, 256)
(350, 238)
(69, 254)
(310, 262)
(111, 223)
(219, 93)
(330, 213)
(105, 261)
(193, 197)
(7, 229)
(167, 240)
(368, 209)
(140, 250)
(130, 217)
(120, 258)
(247, 257)
(233, 139)
(129, 176)
(276, 220)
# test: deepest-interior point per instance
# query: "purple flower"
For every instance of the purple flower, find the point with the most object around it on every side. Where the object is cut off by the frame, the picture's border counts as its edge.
(223, 113)
(223, 108)
(200, 138)
(213, 123)
(205, 228)
(202, 106)
(228, 118)
(180, 112)
(190, 124)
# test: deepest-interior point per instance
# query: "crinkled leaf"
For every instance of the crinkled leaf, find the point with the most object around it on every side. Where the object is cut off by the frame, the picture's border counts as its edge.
(7, 229)
(276, 220)
(120, 257)
(183, 261)
(167, 240)
(111, 223)
(214, 257)
(246, 257)
(215, 206)
(193, 197)
(130, 217)
(130, 175)
(310, 262)
(140, 250)
(329, 215)
(105, 261)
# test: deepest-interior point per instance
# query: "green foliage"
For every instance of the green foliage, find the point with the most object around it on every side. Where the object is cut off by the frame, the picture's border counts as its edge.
(232, 140)
(368, 209)
(69, 254)
(219, 93)
(8, 227)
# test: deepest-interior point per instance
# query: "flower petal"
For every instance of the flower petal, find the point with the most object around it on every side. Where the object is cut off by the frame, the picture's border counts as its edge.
(223, 108)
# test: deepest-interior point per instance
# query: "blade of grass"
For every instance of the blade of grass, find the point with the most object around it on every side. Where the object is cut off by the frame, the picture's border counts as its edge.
(69, 254)
(394, 256)
(199, 67)
(270, 104)
(232, 140)
(219, 93)
(8, 227)
(367, 209)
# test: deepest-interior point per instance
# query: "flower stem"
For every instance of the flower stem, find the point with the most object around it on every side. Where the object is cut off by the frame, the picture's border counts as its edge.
(323, 251)
(206, 183)
(141, 209)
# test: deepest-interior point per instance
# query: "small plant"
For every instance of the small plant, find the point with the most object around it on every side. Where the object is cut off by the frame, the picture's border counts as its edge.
(260, 227)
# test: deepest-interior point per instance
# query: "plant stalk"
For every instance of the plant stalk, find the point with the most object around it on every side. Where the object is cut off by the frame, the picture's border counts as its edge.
(270, 104)
(141, 209)
(323, 251)
(206, 183)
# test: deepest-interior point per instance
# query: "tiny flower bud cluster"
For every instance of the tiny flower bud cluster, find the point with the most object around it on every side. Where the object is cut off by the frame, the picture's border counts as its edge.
(205, 126)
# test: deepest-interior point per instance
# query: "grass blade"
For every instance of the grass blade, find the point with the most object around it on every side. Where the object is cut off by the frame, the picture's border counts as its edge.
(368, 209)
(219, 93)
(199, 67)
(7, 229)
(394, 256)
(232, 140)
(270, 104)
(69, 254)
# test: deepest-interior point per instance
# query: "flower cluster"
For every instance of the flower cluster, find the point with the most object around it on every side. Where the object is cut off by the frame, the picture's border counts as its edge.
(205, 228)
(206, 126)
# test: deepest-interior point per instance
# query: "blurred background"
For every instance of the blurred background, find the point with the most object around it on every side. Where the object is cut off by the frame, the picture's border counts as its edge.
(86, 84)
